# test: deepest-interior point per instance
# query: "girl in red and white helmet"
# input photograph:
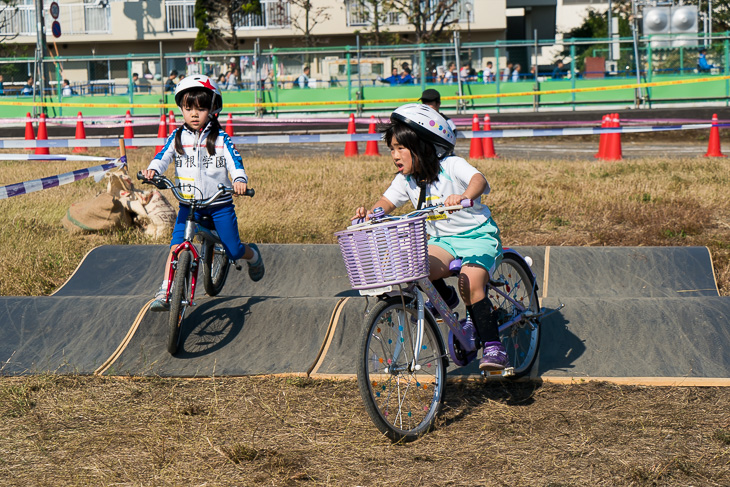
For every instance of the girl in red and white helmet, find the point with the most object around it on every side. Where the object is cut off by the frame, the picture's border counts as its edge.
(204, 156)
(421, 144)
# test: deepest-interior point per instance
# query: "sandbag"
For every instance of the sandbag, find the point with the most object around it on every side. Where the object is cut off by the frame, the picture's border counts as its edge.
(103, 212)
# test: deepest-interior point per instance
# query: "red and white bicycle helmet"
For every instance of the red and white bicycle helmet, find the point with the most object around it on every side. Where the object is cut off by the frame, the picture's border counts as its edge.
(196, 82)
(429, 124)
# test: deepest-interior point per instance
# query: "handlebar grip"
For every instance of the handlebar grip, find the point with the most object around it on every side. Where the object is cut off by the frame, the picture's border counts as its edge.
(466, 203)
(250, 192)
(139, 176)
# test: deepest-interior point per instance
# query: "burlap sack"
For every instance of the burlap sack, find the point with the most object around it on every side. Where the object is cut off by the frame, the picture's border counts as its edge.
(104, 212)
(118, 182)
(151, 209)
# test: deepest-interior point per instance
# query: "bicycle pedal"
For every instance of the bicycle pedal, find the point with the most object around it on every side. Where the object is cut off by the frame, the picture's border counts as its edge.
(237, 266)
(498, 374)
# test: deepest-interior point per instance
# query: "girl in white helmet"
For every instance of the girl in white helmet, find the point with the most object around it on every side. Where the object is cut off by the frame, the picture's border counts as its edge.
(421, 144)
(204, 156)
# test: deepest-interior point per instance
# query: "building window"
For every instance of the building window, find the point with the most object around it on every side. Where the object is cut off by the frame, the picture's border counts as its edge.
(179, 14)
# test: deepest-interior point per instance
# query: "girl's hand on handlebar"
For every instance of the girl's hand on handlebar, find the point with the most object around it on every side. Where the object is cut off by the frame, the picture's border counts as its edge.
(454, 199)
(240, 188)
(148, 173)
(360, 214)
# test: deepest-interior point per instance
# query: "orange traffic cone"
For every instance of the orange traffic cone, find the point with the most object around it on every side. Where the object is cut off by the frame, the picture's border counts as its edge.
(29, 132)
(128, 130)
(713, 147)
(613, 141)
(229, 125)
(602, 139)
(351, 149)
(162, 132)
(371, 148)
(171, 125)
(487, 142)
(80, 133)
(42, 135)
(476, 149)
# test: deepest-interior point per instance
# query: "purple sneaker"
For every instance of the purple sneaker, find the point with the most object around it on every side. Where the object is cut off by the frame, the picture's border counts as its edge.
(494, 357)
(452, 302)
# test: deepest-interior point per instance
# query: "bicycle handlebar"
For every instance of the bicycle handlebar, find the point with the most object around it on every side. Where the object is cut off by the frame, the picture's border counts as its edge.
(376, 217)
(163, 182)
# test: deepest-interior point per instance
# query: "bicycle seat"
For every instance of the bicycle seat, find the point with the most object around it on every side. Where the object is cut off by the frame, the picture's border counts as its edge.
(455, 268)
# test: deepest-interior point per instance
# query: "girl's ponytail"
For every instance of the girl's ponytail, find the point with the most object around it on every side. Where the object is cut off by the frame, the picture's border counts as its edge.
(215, 128)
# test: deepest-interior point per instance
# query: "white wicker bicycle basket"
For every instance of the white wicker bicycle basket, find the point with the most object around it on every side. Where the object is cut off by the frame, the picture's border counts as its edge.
(385, 253)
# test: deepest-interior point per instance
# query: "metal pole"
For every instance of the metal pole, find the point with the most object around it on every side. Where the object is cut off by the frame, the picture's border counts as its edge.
(638, 94)
(40, 50)
(459, 105)
(359, 77)
(610, 31)
(162, 79)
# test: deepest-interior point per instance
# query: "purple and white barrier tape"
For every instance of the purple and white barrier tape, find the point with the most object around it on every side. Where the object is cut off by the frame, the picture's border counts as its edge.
(97, 172)
(304, 139)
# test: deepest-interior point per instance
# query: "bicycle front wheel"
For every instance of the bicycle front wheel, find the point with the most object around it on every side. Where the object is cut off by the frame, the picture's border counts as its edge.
(215, 267)
(522, 339)
(401, 378)
(179, 301)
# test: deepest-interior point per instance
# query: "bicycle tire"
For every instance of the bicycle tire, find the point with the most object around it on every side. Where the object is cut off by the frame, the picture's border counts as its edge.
(402, 403)
(522, 340)
(215, 267)
(179, 298)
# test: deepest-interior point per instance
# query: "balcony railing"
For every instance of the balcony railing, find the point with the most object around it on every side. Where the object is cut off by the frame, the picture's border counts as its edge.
(360, 14)
(274, 14)
(75, 19)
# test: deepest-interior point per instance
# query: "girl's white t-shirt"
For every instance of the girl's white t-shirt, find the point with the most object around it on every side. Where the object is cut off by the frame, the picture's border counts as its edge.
(453, 178)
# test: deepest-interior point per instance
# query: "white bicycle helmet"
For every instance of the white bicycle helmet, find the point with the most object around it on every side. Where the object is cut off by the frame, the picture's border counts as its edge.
(197, 82)
(429, 124)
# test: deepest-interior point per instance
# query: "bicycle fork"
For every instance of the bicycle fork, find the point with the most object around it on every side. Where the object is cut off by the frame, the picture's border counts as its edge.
(185, 246)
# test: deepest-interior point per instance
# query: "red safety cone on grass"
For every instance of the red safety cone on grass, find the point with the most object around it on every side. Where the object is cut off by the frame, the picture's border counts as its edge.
(171, 124)
(162, 132)
(371, 148)
(487, 142)
(613, 141)
(476, 149)
(229, 125)
(128, 130)
(29, 132)
(351, 149)
(42, 135)
(602, 138)
(80, 133)
(713, 147)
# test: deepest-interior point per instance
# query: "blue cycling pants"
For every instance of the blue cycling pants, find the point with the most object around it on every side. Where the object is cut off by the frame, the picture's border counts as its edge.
(225, 223)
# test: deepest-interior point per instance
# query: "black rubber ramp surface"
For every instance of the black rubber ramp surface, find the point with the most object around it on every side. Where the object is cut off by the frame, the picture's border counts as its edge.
(630, 312)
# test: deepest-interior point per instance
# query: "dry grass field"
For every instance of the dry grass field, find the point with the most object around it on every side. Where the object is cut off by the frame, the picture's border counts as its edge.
(288, 431)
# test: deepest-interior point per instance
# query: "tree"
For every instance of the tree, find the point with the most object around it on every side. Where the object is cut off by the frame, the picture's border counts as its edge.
(430, 18)
(377, 13)
(8, 9)
(595, 26)
(216, 21)
(307, 18)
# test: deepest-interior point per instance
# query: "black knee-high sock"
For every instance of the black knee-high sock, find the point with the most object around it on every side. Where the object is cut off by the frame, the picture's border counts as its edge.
(485, 320)
(442, 288)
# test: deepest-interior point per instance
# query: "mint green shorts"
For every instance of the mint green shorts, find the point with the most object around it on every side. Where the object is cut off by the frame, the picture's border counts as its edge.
(481, 245)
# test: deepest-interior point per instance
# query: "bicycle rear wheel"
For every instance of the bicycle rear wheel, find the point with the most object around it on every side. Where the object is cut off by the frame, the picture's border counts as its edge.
(179, 301)
(403, 398)
(215, 267)
(521, 340)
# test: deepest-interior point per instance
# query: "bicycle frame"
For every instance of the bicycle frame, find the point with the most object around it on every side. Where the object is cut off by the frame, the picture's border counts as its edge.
(192, 228)
(468, 343)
